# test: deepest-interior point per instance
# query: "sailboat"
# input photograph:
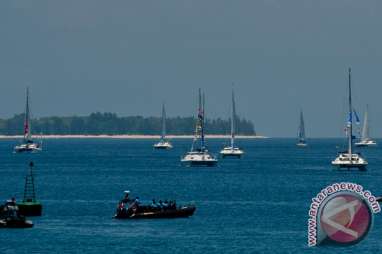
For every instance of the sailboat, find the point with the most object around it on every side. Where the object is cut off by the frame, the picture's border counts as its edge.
(232, 151)
(348, 159)
(301, 132)
(199, 155)
(28, 144)
(30, 206)
(163, 143)
(365, 139)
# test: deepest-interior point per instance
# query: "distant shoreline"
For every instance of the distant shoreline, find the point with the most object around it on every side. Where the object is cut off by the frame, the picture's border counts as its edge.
(129, 136)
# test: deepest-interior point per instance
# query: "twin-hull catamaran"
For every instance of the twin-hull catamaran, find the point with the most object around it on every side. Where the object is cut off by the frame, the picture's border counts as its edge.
(28, 144)
(199, 156)
(365, 139)
(349, 159)
(232, 151)
(163, 143)
(301, 132)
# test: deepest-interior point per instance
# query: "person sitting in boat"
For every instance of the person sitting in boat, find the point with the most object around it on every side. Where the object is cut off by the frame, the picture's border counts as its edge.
(154, 204)
(165, 204)
(10, 209)
(172, 204)
(134, 203)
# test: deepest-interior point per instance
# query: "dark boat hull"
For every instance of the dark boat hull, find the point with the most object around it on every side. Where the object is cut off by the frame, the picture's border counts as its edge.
(350, 167)
(162, 148)
(15, 224)
(22, 150)
(30, 209)
(26, 150)
(182, 212)
(236, 156)
(201, 163)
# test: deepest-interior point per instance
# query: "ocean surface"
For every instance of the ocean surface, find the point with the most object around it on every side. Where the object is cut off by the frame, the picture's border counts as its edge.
(258, 204)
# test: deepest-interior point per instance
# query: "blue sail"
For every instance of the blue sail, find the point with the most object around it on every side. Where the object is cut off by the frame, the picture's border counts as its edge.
(356, 117)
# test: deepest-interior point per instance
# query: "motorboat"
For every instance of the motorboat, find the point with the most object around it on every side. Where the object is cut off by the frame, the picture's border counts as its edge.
(134, 209)
(10, 216)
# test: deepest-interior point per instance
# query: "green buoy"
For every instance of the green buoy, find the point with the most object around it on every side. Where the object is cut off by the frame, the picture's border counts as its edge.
(30, 206)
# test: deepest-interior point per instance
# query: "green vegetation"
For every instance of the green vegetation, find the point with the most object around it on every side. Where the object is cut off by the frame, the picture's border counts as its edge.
(111, 124)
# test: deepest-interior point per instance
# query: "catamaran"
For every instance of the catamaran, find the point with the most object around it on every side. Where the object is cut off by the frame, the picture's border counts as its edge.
(301, 132)
(199, 156)
(28, 144)
(349, 159)
(365, 139)
(163, 143)
(232, 151)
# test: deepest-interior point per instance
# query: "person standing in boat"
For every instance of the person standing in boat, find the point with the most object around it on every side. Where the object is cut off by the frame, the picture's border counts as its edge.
(126, 199)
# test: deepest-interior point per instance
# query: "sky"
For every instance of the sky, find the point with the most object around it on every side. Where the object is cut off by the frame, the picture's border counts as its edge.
(127, 57)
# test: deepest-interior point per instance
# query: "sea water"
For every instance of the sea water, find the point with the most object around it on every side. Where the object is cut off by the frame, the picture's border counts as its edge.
(258, 204)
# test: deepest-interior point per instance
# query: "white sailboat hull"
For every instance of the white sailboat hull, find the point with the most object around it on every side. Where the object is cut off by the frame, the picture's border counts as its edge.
(163, 145)
(28, 147)
(354, 161)
(231, 152)
(302, 144)
(193, 159)
(366, 143)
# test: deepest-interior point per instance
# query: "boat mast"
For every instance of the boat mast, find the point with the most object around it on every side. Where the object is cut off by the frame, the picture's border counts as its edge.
(301, 134)
(350, 123)
(365, 128)
(27, 126)
(199, 123)
(202, 122)
(233, 118)
(163, 122)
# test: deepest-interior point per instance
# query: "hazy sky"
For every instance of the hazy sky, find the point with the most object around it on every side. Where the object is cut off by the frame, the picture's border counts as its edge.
(81, 56)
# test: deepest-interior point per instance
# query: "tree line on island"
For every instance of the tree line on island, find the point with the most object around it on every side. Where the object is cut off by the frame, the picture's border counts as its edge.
(111, 124)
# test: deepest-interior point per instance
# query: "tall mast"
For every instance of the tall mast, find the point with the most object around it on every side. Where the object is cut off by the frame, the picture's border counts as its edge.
(27, 126)
(233, 119)
(163, 122)
(199, 123)
(350, 123)
(365, 128)
(301, 134)
(202, 121)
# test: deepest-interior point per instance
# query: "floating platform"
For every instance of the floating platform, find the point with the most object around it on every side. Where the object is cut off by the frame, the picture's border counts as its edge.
(30, 208)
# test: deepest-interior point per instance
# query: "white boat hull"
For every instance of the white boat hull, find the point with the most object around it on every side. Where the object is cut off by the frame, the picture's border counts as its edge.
(366, 143)
(30, 147)
(192, 159)
(231, 152)
(344, 161)
(302, 144)
(163, 145)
